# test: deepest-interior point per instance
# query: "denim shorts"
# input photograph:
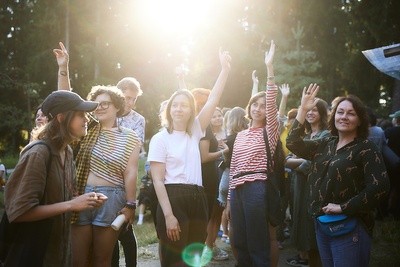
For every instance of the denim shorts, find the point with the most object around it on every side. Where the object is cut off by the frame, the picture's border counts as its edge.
(104, 215)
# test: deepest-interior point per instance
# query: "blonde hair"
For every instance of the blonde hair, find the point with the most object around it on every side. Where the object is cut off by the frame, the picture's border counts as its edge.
(166, 115)
(237, 120)
(130, 83)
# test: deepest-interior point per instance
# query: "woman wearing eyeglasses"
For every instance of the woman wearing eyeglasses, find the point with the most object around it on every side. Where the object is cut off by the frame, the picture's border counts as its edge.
(107, 162)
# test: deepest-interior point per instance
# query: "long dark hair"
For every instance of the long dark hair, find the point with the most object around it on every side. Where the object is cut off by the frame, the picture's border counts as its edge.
(58, 133)
(322, 108)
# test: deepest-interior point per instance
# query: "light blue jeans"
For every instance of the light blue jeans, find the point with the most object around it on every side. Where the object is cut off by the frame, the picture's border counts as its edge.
(250, 225)
(224, 188)
(349, 250)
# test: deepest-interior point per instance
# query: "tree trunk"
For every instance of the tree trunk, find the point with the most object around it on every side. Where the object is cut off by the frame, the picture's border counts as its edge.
(396, 96)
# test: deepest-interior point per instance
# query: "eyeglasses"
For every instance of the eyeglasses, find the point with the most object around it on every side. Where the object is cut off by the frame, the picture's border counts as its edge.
(105, 105)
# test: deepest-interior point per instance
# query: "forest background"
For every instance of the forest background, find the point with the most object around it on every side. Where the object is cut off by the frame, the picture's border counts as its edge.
(317, 41)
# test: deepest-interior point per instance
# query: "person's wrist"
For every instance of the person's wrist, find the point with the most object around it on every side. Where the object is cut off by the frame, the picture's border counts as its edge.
(130, 205)
(301, 110)
(63, 72)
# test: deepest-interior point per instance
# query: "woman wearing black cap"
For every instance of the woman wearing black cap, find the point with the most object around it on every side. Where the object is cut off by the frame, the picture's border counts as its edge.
(41, 185)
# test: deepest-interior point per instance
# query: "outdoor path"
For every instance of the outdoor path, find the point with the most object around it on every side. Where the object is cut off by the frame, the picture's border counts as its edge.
(148, 256)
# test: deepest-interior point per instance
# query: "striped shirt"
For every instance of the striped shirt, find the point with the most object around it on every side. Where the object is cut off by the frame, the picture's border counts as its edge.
(111, 153)
(249, 152)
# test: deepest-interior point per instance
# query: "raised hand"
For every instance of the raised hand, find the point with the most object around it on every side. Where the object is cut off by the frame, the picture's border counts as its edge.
(180, 71)
(309, 99)
(254, 77)
(285, 89)
(225, 59)
(269, 56)
(61, 55)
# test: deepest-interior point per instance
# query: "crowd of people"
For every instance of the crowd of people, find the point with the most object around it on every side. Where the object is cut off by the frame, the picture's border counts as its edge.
(207, 168)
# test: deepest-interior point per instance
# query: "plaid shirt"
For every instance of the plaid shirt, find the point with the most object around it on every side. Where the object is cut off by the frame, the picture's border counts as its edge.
(82, 161)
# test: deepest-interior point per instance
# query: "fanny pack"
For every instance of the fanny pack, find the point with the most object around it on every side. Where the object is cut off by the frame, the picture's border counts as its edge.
(336, 224)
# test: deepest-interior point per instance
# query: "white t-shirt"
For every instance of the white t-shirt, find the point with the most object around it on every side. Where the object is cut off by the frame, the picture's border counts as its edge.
(181, 154)
(3, 168)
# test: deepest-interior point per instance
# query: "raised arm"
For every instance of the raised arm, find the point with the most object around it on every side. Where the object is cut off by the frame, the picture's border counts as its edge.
(285, 90)
(206, 113)
(254, 90)
(63, 71)
(272, 124)
(180, 75)
(269, 59)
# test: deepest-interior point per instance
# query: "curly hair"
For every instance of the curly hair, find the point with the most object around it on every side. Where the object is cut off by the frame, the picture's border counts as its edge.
(117, 97)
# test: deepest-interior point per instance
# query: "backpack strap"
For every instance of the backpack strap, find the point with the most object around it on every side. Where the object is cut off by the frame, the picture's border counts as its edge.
(48, 165)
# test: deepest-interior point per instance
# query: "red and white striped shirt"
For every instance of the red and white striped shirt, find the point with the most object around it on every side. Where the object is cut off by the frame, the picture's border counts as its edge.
(249, 152)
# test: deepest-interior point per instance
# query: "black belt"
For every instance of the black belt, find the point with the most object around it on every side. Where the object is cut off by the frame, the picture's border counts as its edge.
(247, 173)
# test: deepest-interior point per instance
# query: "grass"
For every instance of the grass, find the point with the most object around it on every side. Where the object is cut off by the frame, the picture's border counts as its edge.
(145, 233)
(386, 244)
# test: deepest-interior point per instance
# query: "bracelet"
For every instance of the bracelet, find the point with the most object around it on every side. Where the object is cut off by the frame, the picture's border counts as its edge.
(130, 205)
(270, 77)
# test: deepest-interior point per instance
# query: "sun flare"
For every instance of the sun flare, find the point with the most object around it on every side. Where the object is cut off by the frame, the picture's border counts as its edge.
(176, 16)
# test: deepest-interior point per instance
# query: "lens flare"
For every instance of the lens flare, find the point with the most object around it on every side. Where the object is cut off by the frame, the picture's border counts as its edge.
(196, 255)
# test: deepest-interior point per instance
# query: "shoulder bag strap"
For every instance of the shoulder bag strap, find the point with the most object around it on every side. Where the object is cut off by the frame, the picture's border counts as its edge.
(268, 151)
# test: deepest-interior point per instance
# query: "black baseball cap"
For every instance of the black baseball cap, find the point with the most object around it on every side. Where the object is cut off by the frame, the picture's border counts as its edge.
(61, 101)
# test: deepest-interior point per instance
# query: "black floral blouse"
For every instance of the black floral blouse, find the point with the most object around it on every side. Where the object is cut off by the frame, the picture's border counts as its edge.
(354, 176)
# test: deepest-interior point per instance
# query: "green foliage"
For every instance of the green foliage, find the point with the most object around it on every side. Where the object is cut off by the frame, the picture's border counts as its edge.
(317, 41)
(10, 161)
